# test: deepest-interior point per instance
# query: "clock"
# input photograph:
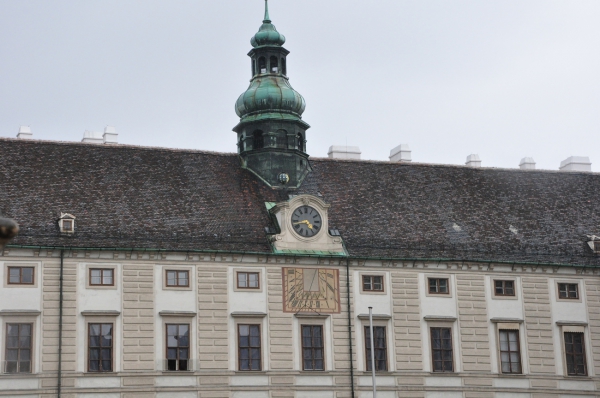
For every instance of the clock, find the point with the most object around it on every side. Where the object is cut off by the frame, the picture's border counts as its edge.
(306, 221)
(311, 290)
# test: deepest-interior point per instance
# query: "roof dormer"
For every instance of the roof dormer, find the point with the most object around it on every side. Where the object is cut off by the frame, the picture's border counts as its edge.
(594, 243)
(66, 223)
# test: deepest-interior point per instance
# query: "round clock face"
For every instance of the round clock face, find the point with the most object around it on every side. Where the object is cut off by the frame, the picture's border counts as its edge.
(306, 221)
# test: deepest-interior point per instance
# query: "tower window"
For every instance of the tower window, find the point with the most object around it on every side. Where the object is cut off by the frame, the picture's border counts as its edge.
(262, 65)
(258, 140)
(300, 142)
(283, 66)
(281, 140)
(274, 65)
(241, 145)
(253, 67)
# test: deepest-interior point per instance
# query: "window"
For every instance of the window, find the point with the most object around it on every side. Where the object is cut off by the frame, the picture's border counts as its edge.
(18, 347)
(67, 225)
(249, 356)
(438, 286)
(102, 277)
(441, 349)
(510, 352)
(253, 67)
(178, 278)
(262, 65)
(568, 291)
(274, 65)
(100, 339)
(178, 347)
(504, 288)
(312, 347)
(380, 348)
(300, 142)
(372, 283)
(283, 66)
(575, 354)
(248, 280)
(281, 140)
(20, 275)
(258, 140)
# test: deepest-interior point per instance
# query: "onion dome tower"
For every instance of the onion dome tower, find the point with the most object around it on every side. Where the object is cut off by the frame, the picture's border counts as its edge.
(271, 132)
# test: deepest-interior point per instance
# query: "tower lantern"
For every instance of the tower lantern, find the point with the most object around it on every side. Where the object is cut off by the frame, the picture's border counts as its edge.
(271, 132)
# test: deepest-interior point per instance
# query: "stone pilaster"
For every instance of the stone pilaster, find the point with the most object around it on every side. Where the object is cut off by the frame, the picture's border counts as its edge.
(592, 293)
(138, 318)
(406, 333)
(281, 354)
(473, 323)
(538, 324)
(213, 342)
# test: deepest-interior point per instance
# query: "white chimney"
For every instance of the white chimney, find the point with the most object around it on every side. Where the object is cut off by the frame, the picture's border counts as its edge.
(576, 163)
(473, 161)
(527, 164)
(110, 135)
(92, 137)
(25, 133)
(344, 152)
(401, 154)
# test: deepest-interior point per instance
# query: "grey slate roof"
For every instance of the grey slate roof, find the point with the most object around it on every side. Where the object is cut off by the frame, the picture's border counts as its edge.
(137, 197)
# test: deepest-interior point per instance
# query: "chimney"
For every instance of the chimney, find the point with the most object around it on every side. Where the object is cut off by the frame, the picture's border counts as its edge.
(344, 152)
(25, 133)
(92, 137)
(400, 154)
(576, 163)
(527, 164)
(473, 161)
(110, 135)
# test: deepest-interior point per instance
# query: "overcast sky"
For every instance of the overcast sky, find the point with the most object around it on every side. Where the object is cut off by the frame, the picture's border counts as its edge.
(500, 78)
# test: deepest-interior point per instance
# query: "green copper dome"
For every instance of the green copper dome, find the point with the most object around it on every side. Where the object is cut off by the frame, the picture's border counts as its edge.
(270, 94)
(267, 35)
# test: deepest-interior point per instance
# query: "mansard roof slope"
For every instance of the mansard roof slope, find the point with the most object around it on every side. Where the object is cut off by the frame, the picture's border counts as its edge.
(156, 198)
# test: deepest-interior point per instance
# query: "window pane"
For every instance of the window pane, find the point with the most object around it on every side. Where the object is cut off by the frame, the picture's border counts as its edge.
(242, 279)
(27, 275)
(25, 367)
(443, 285)
(14, 275)
(13, 329)
(94, 329)
(253, 280)
(171, 278)
(432, 286)
(107, 278)
(183, 278)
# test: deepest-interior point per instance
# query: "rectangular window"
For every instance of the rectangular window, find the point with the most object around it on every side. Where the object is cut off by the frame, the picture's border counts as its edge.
(67, 225)
(575, 354)
(441, 349)
(249, 347)
(178, 347)
(372, 283)
(247, 280)
(438, 286)
(178, 278)
(568, 290)
(100, 355)
(102, 277)
(18, 347)
(312, 347)
(20, 275)
(510, 352)
(504, 288)
(380, 348)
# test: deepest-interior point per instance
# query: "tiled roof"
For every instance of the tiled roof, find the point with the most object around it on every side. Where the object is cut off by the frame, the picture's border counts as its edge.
(137, 197)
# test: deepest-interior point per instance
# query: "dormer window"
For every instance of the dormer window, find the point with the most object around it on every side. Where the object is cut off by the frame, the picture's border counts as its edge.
(66, 223)
(594, 243)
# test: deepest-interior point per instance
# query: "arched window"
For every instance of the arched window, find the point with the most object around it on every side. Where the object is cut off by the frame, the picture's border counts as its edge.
(283, 66)
(253, 67)
(281, 140)
(241, 143)
(262, 65)
(300, 142)
(258, 140)
(274, 65)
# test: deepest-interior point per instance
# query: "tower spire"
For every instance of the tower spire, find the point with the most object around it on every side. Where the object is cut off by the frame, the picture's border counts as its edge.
(267, 18)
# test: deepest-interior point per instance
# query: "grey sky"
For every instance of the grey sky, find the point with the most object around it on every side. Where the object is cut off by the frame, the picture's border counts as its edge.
(501, 78)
